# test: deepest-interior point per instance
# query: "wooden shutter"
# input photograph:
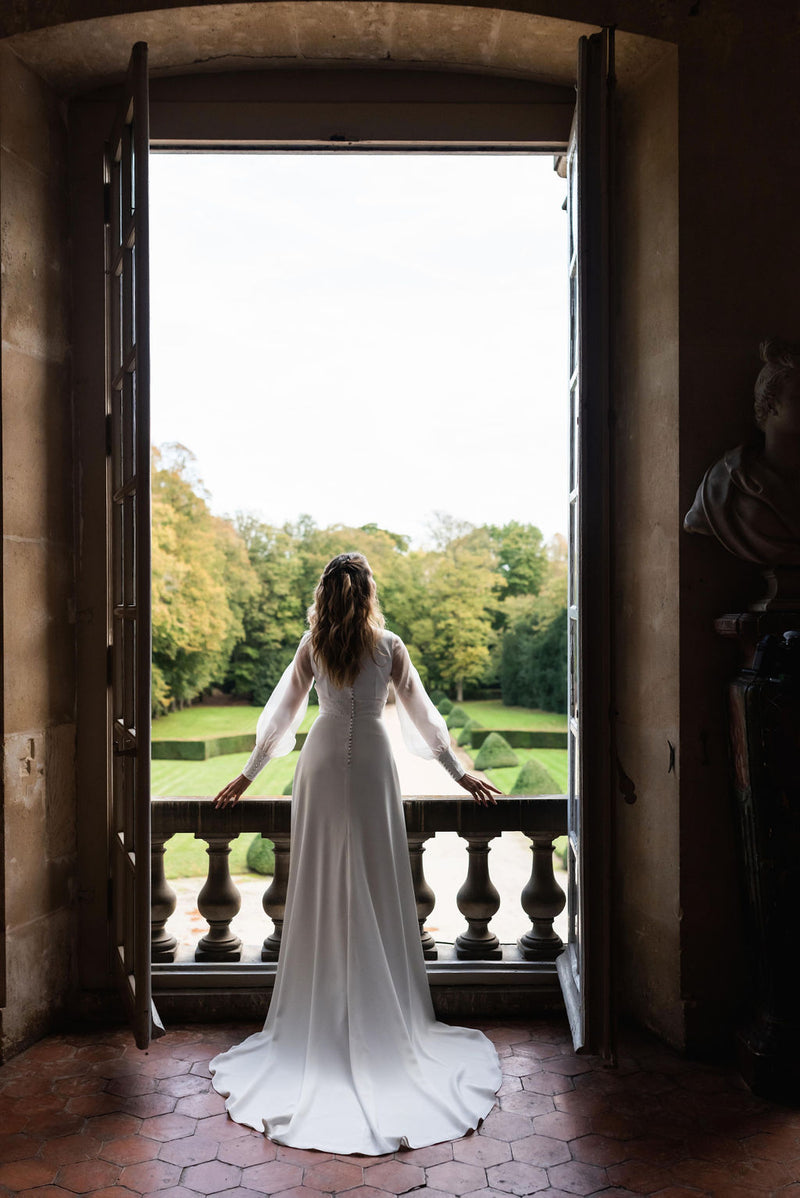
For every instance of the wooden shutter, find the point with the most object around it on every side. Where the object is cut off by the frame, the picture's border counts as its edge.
(585, 965)
(128, 480)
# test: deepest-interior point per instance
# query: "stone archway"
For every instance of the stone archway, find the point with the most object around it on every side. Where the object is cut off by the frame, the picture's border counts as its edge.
(79, 55)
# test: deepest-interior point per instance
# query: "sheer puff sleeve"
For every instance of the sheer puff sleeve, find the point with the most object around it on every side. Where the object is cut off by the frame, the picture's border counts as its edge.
(424, 730)
(283, 714)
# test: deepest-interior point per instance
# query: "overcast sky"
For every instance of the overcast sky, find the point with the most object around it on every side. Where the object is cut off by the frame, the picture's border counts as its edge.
(365, 338)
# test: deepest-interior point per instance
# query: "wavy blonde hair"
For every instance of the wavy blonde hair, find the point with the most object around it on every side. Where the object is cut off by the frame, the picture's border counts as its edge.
(345, 618)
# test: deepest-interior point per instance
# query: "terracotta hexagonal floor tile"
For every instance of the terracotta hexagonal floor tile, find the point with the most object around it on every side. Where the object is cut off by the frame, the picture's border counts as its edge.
(222, 1127)
(17, 1146)
(128, 1150)
(190, 1150)
(160, 1067)
(64, 1150)
(211, 1177)
(576, 1177)
(299, 1192)
(23, 1175)
(782, 1145)
(517, 1177)
(168, 1127)
(150, 1106)
(305, 1156)
(85, 1176)
(111, 1127)
(507, 1125)
(540, 1150)
(525, 1102)
(53, 1192)
(395, 1177)
(432, 1154)
(236, 1192)
(169, 1192)
(201, 1105)
(99, 1103)
(600, 1150)
(561, 1125)
(545, 1082)
(183, 1084)
(150, 1175)
(481, 1150)
(272, 1177)
(518, 1066)
(368, 1192)
(129, 1084)
(249, 1150)
(641, 1176)
(333, 1175)
(456, 1177)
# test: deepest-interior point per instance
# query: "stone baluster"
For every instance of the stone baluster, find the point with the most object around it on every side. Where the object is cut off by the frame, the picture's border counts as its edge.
(218, 902)
(163, 901)
(424, 895)
(478, 901)
(542, 900)
(274, 900)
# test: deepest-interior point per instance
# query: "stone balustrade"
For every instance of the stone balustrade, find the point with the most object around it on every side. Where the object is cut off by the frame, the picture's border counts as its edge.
(542, 819)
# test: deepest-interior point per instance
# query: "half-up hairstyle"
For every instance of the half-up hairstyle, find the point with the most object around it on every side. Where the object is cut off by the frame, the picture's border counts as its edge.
(781, 359)
(345, 618)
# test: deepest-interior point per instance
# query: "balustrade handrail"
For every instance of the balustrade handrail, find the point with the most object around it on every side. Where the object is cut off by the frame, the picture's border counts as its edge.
(540, 817)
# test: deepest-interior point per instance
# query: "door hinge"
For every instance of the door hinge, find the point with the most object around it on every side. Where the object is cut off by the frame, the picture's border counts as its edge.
(109, 435)
(109, 665)
(107, 203)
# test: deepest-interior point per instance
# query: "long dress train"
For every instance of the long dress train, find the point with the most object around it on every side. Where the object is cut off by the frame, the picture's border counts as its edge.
(351, 1058)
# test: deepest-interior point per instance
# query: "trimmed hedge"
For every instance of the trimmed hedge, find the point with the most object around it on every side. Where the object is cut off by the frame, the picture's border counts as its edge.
(465, 735)
(495, 753)
(212, 746)
(437, 696)
(445, 706)
(457, 717)
(523, 738)
(534, 779)
(261, 855)
(287, 790)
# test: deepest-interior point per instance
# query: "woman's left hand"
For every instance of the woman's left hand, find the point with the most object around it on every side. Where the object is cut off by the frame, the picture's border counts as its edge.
(230, 794)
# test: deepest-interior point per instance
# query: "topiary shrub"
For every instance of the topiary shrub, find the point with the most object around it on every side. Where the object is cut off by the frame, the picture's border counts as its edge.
(495, 753)
(437, 696)
(261, 855)
(465, 735)
(287, 790)
(456, 717)
(445, 706)
(534, 779)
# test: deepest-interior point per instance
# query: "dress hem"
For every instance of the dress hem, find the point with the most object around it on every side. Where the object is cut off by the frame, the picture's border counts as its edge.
(402, 1143)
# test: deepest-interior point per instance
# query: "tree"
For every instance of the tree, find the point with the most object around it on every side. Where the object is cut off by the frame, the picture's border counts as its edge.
(201, 582)
(521, 556)
(533, 666)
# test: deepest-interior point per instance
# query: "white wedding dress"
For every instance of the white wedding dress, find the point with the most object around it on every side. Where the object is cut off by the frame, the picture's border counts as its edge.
(351, 1058)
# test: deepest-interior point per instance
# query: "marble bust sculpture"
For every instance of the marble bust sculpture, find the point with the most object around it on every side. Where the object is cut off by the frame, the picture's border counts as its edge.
(750, 499)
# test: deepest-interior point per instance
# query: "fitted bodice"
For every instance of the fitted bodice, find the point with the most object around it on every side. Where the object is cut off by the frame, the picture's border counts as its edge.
(367, 695)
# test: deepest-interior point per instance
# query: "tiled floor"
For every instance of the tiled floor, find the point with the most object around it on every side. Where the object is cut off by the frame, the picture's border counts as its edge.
(90, 1114)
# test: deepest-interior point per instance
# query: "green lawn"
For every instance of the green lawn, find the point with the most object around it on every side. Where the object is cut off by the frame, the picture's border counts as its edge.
(492, 714)
(185, 857)
(194, 723)
(553, 760)
(204, 779)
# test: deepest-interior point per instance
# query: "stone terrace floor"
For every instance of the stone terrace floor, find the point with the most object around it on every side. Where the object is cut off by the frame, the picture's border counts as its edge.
(90, 1114)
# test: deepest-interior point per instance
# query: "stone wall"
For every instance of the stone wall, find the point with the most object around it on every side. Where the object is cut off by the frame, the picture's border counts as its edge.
(39, 800)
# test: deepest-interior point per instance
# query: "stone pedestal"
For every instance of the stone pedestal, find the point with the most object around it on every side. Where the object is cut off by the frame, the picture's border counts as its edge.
(764, 704)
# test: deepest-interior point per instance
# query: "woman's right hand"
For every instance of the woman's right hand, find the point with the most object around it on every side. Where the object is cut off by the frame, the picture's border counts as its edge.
(481, 791)
(229, 795)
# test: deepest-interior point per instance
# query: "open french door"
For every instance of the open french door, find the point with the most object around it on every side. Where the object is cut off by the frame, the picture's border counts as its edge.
(128, 522)
(584, 968)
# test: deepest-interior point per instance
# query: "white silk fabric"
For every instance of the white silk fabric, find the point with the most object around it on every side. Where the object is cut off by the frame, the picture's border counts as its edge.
(351, 1058)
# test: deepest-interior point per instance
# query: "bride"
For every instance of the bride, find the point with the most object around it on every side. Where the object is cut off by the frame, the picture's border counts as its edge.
(351, 1058)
